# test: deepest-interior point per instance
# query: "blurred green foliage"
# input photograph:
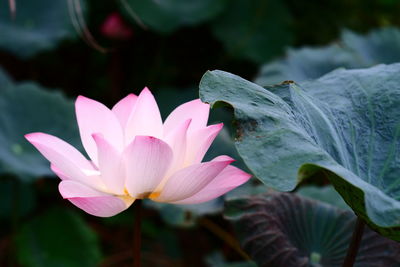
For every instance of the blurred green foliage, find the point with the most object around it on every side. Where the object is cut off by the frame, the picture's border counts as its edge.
(167, 16)
(254, 30)
(351, 51)
(174, 42)
(325, 194)
(25, 109)
(216, 259)
(18, 200)
(58, 238)
(38, 26)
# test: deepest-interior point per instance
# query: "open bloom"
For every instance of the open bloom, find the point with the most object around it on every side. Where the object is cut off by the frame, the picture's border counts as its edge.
(134, 155)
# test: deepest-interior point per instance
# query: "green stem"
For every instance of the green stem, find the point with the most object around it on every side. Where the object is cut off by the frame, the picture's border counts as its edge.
(354, 244)
(137, 239)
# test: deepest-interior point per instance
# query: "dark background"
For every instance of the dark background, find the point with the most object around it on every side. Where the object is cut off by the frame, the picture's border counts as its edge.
(179, 42)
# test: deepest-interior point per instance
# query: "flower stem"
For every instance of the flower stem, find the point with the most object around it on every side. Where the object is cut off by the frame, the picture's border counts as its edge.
(354, 244)
(137, 239)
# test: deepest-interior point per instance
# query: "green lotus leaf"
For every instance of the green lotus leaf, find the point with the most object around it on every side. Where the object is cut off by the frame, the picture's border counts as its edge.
(26, 108)
(284, 229)
(344, 126)
(168, 15)
(38, 26)
(255, 30)
(57, 238)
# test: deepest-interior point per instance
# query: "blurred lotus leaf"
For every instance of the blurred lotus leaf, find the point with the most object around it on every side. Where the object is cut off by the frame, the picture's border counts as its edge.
(307, 63)
(216, 259)
(344, 126)
(57, 238)
(352, 51)
(168, 15)
(254, 30)
(17, 200)
(378, 46)
(38, 26)
(186, 215)
(326, 194)
(283, 229)
(27, 107)
(5, 80)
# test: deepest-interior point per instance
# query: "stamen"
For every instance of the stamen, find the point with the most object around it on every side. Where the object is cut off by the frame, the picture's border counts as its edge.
(155, 194)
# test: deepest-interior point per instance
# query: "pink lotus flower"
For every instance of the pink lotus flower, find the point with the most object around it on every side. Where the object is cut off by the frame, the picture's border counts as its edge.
(134, 155)
(114, 27)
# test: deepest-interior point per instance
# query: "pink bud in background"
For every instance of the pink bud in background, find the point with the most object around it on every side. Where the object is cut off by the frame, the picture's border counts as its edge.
(134, 155)
(115, 28)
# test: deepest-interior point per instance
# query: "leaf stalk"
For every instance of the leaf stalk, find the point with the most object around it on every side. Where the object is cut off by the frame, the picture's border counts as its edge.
(354, 244)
